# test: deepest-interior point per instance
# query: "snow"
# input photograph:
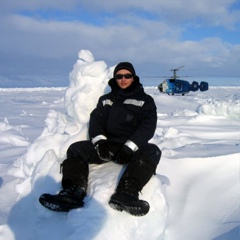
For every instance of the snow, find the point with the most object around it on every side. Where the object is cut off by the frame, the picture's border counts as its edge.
(193, 196)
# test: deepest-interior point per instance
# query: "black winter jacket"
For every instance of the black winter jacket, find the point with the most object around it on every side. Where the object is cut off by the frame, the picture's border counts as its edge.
(124, 116)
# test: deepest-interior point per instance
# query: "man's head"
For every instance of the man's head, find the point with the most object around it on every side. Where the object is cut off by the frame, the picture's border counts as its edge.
(124, 74)
(124, 65)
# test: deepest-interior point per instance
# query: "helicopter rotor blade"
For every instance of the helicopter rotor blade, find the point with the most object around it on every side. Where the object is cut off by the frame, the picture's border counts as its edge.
(155, 76)
(176, 69)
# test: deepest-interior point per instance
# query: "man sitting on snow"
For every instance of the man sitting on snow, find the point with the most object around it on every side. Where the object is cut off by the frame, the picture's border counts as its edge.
(120, 127)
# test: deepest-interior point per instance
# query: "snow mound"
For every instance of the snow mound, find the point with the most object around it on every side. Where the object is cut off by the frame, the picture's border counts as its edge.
(88, 81)
(96, 219)
(217, 107)
(12, 135)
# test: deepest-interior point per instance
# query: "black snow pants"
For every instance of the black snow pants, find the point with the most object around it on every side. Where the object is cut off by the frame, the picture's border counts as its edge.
(142, 166)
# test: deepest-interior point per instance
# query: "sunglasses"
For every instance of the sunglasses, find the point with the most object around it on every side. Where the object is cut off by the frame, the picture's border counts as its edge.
(120, 76)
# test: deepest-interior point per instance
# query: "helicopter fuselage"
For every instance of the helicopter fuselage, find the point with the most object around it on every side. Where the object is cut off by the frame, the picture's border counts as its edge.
(177, 86)
(174, 86)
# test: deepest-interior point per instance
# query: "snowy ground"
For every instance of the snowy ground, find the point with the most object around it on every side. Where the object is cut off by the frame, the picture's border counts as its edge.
(194, 195)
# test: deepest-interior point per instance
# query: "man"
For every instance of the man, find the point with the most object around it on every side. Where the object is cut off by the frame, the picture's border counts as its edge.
(120, 127)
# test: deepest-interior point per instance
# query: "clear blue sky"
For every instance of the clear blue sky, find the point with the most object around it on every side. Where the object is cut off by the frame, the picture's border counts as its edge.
(40, 40)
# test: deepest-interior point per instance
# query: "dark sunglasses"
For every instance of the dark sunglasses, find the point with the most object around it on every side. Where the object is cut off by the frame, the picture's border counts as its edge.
(120, 76)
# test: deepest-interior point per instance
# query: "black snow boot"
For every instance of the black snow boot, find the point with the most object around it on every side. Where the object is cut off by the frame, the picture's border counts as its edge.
(74, 182)
(65, 200)
(123, 201)
(134, 178)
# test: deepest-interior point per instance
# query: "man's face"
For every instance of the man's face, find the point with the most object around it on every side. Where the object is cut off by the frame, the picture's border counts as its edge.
(124, 78)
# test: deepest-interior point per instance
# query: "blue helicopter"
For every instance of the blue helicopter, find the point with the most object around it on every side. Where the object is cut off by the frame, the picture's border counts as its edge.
(174, 85)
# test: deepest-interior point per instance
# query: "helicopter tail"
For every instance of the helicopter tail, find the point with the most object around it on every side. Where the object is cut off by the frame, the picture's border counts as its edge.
(203, 86)
(194, 86)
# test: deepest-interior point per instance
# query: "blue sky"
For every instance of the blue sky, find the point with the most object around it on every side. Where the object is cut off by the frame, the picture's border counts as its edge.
(40, 40)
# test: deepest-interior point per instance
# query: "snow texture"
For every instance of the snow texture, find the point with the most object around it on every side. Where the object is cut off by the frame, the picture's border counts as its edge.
(193, 196)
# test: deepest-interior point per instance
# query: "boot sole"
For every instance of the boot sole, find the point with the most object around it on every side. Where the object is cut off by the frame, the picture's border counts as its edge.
(57, 207)
(133, 210)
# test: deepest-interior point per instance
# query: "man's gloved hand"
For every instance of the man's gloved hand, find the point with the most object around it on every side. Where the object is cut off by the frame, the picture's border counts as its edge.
(103, 151)
(125, 155)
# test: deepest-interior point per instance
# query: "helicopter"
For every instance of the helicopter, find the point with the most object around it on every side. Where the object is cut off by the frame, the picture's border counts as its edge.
(174, 85)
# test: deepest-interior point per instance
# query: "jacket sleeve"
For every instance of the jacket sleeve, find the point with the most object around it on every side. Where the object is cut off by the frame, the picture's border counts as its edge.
(146, 126)
(96, 124)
